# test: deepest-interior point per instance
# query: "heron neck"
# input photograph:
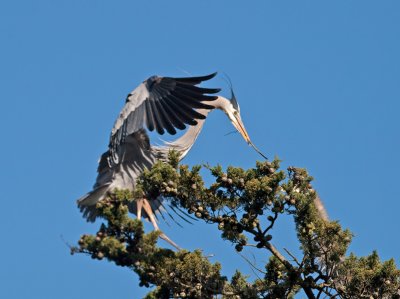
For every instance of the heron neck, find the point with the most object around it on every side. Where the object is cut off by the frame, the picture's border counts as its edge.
(193, 131)
(184, 143)
(220, 103)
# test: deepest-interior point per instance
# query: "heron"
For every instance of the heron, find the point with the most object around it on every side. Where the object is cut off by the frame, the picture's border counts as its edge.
(161, 104)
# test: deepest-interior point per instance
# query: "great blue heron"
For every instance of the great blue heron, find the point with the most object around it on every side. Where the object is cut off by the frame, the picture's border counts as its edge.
(159, 103)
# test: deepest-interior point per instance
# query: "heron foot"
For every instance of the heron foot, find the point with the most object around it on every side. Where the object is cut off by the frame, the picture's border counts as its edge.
(145, 205)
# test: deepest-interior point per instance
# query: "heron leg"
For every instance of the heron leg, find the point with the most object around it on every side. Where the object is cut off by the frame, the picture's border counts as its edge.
(139, 206)
(149, 211)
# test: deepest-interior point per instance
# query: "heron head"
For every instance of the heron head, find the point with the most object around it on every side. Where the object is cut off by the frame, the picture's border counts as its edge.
(232, 110)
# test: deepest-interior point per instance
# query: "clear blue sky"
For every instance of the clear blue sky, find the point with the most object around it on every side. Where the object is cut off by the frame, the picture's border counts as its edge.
(318, 83)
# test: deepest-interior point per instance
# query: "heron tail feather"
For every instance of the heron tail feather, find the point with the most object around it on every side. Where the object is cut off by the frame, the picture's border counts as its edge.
(87, 203)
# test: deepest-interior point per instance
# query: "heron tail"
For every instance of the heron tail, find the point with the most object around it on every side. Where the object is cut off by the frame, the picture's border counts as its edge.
(87, 203)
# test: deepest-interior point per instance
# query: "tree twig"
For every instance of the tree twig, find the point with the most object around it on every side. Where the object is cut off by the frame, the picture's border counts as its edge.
(252, 265)
(292, 256)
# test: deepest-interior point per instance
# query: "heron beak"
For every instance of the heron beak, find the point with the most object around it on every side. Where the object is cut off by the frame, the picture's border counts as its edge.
(238, 124)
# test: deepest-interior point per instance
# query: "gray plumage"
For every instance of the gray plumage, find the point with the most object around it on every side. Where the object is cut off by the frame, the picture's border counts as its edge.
(161, 104)
(158, 103)
(136, 154)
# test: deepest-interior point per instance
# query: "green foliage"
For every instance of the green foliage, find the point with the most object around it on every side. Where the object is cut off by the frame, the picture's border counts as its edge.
(361, 277)
(279, 282)
(244, 205)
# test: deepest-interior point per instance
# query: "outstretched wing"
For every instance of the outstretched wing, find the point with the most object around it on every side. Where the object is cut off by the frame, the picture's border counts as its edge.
(161, 104)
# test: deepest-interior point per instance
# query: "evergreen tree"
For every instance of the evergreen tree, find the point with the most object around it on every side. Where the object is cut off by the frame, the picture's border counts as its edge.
(245, 206)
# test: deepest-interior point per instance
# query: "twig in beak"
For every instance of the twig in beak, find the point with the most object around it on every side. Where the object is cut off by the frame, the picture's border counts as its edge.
(229, 133)
(257, 150)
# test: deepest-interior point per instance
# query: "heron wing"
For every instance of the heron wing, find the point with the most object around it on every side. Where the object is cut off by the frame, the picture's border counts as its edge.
(135, 151)
(161, 104)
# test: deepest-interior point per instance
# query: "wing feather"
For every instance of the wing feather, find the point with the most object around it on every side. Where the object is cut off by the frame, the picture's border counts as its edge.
(156, 117)
(184, 108)
(197, 90)
(177, 120)
(163, 117)
(180, 112)
(165, 120)
(196, 80)
(187, 99)
(149, 116)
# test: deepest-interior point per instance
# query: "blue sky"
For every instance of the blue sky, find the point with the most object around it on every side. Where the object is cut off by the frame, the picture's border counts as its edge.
(318, 85)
